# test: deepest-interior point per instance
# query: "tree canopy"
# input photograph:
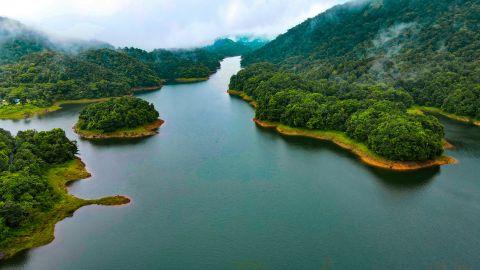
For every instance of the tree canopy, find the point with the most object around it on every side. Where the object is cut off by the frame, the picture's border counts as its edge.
(117, 113)
(430, 49)
(373, 114)
(24, 190)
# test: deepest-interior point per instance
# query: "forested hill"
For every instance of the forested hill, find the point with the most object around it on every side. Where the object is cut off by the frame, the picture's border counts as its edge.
(18, 40)
(429, 48)
(175, 64)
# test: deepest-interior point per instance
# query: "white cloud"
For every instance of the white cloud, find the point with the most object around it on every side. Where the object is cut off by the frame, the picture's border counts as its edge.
(162, 23)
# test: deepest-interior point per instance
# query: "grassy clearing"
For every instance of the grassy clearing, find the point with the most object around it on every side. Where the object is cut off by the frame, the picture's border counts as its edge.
(137, 132)
(16, 112)
(41, 230)
(23, 111)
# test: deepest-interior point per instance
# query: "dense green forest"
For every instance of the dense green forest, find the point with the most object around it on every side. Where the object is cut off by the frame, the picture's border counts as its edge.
(18, 40)
(193, 63)
(373, 114)
(24, 190)
(174, 64)
(431, 49)
(42, 78)
(117, 113)
(37, 70)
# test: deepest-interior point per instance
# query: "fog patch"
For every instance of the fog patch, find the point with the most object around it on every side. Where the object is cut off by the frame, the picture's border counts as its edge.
(386, 46)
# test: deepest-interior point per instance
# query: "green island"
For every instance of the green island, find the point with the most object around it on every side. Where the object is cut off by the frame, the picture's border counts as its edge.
(125, 117)
(35, 169)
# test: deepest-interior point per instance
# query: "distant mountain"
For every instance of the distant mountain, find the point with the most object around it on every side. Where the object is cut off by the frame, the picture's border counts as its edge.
(253, 42)
(429, 48)
(18, 40)
(178, 64)
(228, 47)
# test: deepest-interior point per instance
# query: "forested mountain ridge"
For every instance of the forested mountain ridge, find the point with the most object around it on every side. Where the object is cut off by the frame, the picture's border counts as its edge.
(358, 68)
(429, 48)
(44, 77)
(18, 40)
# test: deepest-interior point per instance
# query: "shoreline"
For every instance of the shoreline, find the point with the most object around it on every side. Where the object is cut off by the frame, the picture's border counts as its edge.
(147, 88)
(342, 140)
(42, 229)
(146, 130)
(188, 80)
(358, 149)
(27, 111)
(243, 96)
(433, 110)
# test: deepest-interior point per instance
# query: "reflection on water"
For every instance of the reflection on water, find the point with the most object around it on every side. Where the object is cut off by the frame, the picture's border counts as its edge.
(405, 180)
(117, 141)
(393, 179)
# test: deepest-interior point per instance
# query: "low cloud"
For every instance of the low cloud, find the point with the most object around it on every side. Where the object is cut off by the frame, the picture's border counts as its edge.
(163, 23)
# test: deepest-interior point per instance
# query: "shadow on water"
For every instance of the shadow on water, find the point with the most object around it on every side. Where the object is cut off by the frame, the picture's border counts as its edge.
(16, 261)
(117, 141)
(391, 179)
(404, 180)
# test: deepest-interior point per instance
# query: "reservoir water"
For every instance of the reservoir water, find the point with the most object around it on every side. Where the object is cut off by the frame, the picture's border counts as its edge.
(213, 191)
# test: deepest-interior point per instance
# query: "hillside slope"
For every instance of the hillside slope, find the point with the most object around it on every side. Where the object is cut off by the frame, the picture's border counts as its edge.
(18, 40)
(429, 48)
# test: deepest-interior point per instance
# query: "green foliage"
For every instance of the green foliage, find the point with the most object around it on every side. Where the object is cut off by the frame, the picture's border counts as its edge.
(45, 77)
(53, 146)
(404, 139)
(430, 49)
(372, 114)
(24, 191)
(115, 114)
(174, 64)
(18, 40)
(125, 67)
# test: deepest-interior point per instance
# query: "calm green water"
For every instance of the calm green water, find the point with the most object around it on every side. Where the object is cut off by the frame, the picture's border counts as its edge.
(212, 191)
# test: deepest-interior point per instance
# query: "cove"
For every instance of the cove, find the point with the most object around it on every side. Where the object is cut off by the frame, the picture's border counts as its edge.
(213, 191)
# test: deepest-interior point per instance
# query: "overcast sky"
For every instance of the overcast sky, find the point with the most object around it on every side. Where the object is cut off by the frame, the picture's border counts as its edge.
(152, 24)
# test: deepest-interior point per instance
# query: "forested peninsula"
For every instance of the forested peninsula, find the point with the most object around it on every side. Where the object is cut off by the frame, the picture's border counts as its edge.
(35, 168)
(376, 127)
(363, 70)
(124, 117)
